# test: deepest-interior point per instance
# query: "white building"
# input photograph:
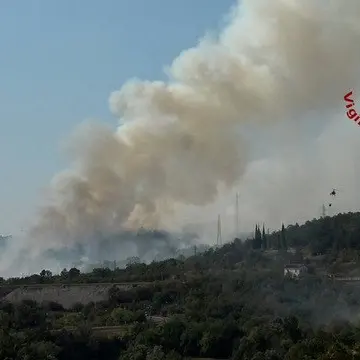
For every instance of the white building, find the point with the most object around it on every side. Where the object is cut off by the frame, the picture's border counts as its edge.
(294, 270)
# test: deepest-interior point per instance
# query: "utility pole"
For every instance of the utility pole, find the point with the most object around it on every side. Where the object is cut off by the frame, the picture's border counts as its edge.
(219, 239)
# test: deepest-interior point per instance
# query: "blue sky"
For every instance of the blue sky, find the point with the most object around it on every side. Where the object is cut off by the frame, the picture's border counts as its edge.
(59, 62)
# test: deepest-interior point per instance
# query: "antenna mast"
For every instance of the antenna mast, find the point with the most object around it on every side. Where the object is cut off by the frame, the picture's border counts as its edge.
(219, 239)
(237, 215)
(323, 212)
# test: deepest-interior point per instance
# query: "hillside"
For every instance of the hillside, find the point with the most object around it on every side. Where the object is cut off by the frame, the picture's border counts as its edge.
(327, 245)
(66, 295)
(326, 234)
(228, 302)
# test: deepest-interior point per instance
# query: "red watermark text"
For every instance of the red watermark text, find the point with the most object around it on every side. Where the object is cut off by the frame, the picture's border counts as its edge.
(351, 113)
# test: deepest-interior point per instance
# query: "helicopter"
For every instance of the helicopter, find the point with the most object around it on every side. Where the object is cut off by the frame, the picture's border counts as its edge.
(333, 192)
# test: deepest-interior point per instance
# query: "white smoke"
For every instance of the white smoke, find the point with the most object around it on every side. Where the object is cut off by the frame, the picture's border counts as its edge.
(271, 86)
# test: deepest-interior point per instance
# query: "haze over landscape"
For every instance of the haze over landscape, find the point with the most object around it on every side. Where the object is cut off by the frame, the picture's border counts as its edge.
(179, 180)
(256, 108)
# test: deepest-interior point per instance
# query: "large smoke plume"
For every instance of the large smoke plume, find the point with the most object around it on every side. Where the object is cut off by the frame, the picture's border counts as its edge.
(182, 143)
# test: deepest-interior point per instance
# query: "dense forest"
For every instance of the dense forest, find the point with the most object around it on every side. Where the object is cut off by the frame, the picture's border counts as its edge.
(230, 302)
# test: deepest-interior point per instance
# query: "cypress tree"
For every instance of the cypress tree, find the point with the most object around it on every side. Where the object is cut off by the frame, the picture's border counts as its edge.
(257, 237)
(264, 239)
(254, 239)
(283, 238)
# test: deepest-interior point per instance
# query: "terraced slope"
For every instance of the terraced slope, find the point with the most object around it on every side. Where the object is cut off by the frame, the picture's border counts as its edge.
(66, 295)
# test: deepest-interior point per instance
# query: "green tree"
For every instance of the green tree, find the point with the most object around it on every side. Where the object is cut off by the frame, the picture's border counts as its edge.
(46, 273)
(156, 353)
(171, 333)
(73, 273)
(121, 316)
(64, 273)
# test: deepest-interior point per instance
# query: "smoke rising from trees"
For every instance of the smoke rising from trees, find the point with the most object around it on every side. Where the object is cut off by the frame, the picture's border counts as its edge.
(184, 143)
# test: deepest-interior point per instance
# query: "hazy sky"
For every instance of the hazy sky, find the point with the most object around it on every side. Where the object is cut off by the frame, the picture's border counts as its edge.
(59, 62)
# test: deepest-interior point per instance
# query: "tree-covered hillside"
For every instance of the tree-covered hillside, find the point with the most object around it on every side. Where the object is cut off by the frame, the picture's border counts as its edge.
(231, 302)
(323, 235)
